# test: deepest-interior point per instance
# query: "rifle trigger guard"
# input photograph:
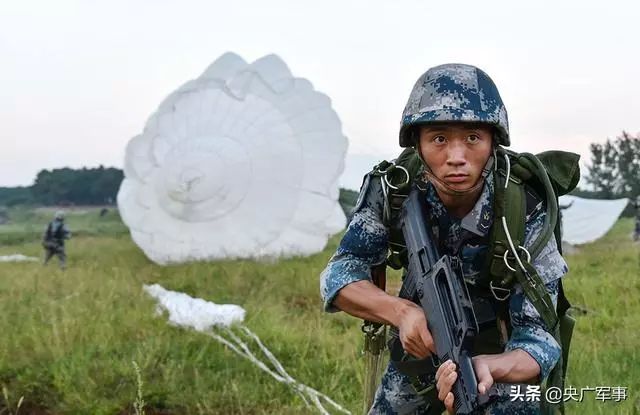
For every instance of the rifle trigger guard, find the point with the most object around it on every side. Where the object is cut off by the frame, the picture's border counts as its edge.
(506, 253)
(495, 290)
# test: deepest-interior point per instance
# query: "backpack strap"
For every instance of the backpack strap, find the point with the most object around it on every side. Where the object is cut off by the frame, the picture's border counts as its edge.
(509, 260)
(553, 173)
(397, 176)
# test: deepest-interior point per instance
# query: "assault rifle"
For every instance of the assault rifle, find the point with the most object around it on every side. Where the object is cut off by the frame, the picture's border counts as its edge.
(438, 285)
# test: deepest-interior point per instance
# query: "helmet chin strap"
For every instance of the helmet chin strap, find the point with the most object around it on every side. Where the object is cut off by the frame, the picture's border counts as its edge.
(445, 188)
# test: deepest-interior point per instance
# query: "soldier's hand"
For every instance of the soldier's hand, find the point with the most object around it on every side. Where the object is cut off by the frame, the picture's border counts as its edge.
(446, 376)
(483, 373)
(414, 334)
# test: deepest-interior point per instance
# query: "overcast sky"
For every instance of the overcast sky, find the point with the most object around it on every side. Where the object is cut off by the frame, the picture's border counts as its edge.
(78, 79)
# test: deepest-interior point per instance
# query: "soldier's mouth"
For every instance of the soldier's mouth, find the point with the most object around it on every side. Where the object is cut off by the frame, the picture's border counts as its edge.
(456, 178)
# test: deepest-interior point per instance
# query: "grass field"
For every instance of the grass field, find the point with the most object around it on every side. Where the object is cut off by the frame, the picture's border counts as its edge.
(69, 338)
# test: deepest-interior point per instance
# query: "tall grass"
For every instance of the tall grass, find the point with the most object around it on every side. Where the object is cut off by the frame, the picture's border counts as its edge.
(68, 338)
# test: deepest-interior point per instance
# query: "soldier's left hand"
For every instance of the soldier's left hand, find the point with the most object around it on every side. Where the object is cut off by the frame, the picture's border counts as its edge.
(446, 376)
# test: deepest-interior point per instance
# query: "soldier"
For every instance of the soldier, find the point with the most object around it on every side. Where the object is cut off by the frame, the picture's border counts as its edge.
(53, 239)
(455, 119)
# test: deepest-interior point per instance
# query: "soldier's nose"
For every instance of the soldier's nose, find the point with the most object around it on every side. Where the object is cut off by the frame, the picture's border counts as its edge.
(456, 156)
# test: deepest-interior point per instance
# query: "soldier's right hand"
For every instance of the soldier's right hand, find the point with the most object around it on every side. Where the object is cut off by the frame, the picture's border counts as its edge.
(414, 334)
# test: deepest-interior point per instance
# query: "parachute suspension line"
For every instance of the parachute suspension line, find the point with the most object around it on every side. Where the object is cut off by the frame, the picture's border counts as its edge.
(223, 325)
(306, 393)
(506, 229)
(506, 182)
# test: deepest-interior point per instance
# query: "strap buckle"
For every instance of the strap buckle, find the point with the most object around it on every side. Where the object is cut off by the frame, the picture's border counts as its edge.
(392, 168)
(495, 290)
(506, 254)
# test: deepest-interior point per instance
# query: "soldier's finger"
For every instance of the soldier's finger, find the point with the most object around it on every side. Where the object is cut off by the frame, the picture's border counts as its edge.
(426, 350)
(409, 345)
(427, 340)
(485, 380)
(444, 384)
(438, 373)
(448, 403)
(450, 379)
(442, 369)
(416, 349)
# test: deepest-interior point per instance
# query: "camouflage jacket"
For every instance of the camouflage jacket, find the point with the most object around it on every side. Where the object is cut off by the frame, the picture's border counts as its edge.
(57, 232)
(365, 244)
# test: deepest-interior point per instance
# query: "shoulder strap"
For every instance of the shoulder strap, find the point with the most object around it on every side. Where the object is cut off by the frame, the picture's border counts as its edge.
(509, 261)
(397, 177)
(553, 174)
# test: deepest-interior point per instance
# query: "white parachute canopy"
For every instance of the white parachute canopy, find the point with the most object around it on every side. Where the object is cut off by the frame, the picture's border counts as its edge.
(242, 162)
(196, 313)
(585, 220)
(17, 258)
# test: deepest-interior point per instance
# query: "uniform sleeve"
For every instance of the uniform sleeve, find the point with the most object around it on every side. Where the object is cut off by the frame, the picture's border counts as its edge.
(529, 330)
(363, 245)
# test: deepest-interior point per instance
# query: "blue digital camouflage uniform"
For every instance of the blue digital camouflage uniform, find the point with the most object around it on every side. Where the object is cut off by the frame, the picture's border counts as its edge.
(365, 244)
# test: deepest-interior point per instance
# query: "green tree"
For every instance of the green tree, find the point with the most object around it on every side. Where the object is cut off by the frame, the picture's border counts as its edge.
(629, 164)
(94, 186)
(615, 167)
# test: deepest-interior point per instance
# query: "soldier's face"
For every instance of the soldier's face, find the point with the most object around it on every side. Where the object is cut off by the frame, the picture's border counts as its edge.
(456, 152)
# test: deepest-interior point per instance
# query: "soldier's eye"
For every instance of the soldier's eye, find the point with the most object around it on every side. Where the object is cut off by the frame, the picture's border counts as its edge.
(473, 138)
(439, 139)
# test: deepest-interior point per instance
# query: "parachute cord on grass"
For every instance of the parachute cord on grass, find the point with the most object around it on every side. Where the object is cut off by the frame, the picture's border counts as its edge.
(280, 378)
(282, 371)
(217, 321)
(305, 392)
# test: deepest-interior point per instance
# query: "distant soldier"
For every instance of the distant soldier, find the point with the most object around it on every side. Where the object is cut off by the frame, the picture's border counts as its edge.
(53, 239)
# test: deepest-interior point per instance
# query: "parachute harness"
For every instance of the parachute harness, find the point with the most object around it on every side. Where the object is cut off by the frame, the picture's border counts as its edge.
(384, 172)
(500, 293)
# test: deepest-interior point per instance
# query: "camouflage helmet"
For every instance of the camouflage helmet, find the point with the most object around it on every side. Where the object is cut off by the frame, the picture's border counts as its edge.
(59, 215)
(454, 92)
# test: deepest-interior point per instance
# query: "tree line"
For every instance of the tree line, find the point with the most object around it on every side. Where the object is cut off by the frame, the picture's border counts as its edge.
(613, 172)
(66, 186)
